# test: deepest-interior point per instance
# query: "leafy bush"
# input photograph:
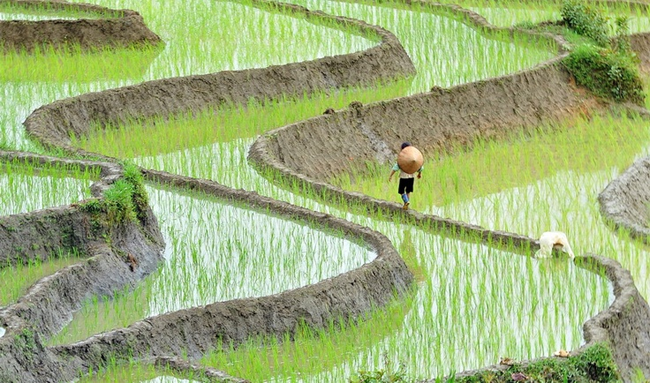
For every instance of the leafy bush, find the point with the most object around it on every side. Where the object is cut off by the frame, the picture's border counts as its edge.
(586, 21)
(605, 66)
(621, 42)
(606, 73)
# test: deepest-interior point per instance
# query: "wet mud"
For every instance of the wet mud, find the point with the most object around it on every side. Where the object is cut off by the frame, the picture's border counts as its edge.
(117, 28)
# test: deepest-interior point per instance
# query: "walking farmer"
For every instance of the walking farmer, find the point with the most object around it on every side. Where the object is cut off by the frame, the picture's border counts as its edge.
(409, 162)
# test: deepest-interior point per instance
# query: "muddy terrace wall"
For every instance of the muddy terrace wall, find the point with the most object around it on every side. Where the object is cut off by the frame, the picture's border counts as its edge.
(53, 124)
(116, 28)
(625, 202)
(102, 269)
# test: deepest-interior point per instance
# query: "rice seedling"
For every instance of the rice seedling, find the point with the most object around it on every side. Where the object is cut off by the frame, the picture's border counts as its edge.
(135, 372)
(71, 64)
(26, 187)
(225, 162)
(209, 36)
(510, 298)
(15, 280)
(553, 186)
(174, 135)
(488, 167)
(203, 37)
(424, 35)
(441, 47)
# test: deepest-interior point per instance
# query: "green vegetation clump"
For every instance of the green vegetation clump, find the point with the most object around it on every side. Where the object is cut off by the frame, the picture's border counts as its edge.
(585, 20)
(26, 342)
(139, 197)
(595, 364)
(385, 375)
(607, 73)
(118, 202)
(605, 66)
(125, 200)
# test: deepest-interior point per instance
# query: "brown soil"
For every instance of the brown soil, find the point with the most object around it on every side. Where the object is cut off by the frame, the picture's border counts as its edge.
(120, 29)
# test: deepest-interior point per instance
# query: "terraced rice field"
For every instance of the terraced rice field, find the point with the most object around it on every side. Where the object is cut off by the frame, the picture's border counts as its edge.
(473, 303)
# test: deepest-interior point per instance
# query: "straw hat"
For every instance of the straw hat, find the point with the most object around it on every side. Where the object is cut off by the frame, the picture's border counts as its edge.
(410, 159)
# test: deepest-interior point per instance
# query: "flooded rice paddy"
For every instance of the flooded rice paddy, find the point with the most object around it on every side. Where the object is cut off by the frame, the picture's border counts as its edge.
(466, 293)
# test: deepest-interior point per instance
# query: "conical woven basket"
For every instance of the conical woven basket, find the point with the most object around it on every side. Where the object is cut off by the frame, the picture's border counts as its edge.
(410, 159)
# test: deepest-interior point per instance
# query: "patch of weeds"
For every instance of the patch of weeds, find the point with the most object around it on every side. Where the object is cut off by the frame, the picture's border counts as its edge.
(606, 73)
(595, 364)
(93, 206)
(388, 374)
(119, 203)
(25, 341)
(125, 200)
(139, 196)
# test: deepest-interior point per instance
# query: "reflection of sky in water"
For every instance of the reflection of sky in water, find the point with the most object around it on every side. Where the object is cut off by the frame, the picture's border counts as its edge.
(2, 332)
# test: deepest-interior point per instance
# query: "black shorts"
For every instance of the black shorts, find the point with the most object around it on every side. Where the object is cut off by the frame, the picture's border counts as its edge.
(405, 185)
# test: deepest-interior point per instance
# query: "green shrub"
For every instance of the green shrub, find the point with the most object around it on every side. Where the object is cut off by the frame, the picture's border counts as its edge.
(621, 41)
(605, 66)
(606, 73)
(586, 21)
(597, 363)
